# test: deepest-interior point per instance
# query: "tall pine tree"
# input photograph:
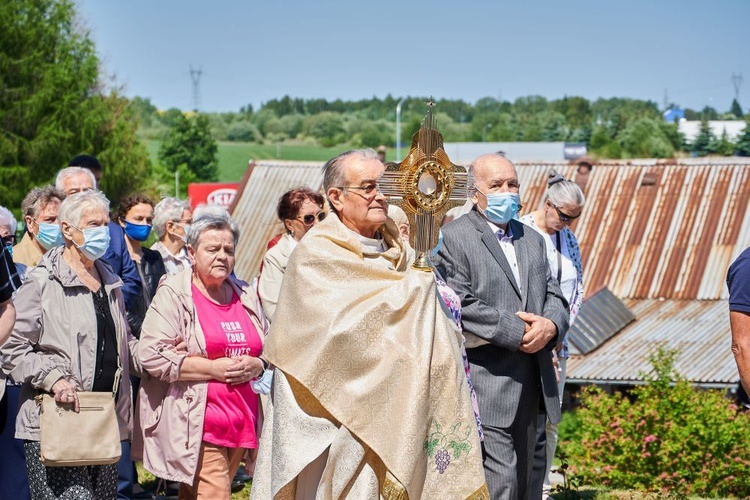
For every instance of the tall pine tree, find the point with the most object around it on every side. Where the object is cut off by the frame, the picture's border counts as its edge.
(704, 141)
(53, 105)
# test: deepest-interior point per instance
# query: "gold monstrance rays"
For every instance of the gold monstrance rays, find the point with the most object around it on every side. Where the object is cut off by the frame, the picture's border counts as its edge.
(426, 184)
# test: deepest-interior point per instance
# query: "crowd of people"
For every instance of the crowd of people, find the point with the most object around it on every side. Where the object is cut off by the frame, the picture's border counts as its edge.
(344, 372)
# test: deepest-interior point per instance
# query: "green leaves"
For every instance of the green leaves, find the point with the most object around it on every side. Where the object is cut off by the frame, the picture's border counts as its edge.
(189, 142)
(54, 106)
(663, 436)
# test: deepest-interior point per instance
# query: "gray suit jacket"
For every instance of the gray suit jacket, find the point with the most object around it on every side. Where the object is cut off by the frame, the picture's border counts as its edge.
(475, 266)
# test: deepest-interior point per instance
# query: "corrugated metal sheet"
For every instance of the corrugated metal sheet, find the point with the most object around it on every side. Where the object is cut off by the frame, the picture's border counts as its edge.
(672, 236)
(601, 317)
(254, 208)
(698, 330)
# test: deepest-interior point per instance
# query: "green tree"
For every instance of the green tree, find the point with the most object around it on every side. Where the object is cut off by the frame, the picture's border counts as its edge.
(736, 109)
(327, 128)
(144, 110)
(702, 145)
(53, 104)
(743, 141)
(722, 145)
(189, 142)
(644, 138)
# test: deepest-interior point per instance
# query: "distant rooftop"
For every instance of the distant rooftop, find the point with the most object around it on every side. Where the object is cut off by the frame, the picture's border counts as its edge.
(462, 153)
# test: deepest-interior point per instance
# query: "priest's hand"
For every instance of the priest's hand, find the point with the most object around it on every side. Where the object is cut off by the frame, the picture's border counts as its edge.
(539, 332)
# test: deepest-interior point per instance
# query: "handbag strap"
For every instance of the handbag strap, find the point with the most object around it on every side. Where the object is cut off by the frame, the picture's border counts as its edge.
(559, 257)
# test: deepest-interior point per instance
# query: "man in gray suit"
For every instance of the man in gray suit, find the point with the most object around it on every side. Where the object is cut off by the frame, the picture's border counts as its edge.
(513, 314)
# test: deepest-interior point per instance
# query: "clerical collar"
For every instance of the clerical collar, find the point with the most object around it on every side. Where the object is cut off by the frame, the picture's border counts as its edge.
(375, 245)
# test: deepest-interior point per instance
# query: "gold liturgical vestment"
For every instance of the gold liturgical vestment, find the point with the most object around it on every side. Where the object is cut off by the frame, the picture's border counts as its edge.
(369, 397)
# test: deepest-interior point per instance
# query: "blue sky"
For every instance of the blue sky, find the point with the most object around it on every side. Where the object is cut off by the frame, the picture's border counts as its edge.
(251, 51)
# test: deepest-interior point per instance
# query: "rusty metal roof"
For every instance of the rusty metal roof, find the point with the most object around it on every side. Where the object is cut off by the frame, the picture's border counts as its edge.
(657, 229)
(254, 208)
(698, 330)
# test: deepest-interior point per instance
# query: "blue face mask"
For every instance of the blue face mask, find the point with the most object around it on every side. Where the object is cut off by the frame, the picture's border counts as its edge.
(138, 232)
(501, 207)
(439, 244)
(95, 242)
(49, 235)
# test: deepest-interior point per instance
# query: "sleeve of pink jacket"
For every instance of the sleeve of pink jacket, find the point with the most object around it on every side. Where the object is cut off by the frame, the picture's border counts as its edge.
(161, 332)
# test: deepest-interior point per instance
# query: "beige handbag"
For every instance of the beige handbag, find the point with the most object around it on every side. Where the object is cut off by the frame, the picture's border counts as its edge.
(89, 437)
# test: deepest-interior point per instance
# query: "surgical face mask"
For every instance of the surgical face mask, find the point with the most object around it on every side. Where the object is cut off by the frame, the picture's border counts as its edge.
(49, 235)
(186, 228)
(95, 242)
(501, 207)
(138, 232)
(439, 244)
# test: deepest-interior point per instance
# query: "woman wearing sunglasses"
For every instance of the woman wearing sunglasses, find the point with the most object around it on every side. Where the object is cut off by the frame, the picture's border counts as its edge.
(299, 210)
(562, 204)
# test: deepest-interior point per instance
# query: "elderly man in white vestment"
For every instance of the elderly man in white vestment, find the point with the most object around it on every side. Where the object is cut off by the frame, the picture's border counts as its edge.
(369, 397)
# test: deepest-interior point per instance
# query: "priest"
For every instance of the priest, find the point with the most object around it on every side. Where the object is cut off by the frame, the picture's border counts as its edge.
(369, 396)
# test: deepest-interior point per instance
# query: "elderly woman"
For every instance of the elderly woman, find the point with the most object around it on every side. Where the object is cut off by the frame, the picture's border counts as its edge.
(136, 216)
(39, 207)
(198, 412)
(7, 228)
(172, 219)
(562, 204)
(299, 210)
(71, 335)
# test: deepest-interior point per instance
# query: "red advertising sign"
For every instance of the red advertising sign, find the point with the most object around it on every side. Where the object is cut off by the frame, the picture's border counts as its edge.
(212, 193)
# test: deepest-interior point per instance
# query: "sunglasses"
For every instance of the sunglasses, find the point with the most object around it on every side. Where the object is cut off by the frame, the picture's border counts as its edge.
(309, 219)
(563, 216)
(8, 240)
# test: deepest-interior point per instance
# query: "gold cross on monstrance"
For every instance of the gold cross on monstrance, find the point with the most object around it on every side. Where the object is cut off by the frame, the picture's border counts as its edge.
(426, 184)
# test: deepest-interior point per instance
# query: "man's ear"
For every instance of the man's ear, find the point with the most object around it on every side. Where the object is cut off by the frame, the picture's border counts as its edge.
(334, 197)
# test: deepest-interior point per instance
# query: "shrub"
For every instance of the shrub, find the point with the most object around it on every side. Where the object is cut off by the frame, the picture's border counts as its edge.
(666, 436)
(243, 131)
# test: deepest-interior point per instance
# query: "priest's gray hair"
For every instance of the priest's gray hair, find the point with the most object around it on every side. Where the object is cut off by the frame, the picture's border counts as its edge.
(207, 217)
(561, 192)
(72, 207)
(168, 209)
(334, 171)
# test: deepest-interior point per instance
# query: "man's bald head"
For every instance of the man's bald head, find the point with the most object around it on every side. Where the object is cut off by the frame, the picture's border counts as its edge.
(486, 173)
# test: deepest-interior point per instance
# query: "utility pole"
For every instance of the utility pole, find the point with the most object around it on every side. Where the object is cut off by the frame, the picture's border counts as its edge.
(398, 129)
(195, 77)
(737, 82)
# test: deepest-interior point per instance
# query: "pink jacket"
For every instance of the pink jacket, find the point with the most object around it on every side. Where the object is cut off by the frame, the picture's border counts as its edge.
(170, 411)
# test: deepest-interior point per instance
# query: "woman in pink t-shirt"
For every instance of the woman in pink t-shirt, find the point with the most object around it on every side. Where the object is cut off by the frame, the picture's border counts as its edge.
(201, 343)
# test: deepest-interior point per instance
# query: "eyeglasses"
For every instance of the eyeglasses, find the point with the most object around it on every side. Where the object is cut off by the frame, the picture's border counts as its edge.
(368, 189)
(563, 216)
(309, 219)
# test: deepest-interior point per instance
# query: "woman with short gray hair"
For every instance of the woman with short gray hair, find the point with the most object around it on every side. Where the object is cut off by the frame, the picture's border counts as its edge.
(197, 436)
(39, 207)
(172, 218)
(76, 301)
(562, 204)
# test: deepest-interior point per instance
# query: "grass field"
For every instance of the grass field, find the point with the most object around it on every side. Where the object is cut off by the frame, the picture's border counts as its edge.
(234, 156)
